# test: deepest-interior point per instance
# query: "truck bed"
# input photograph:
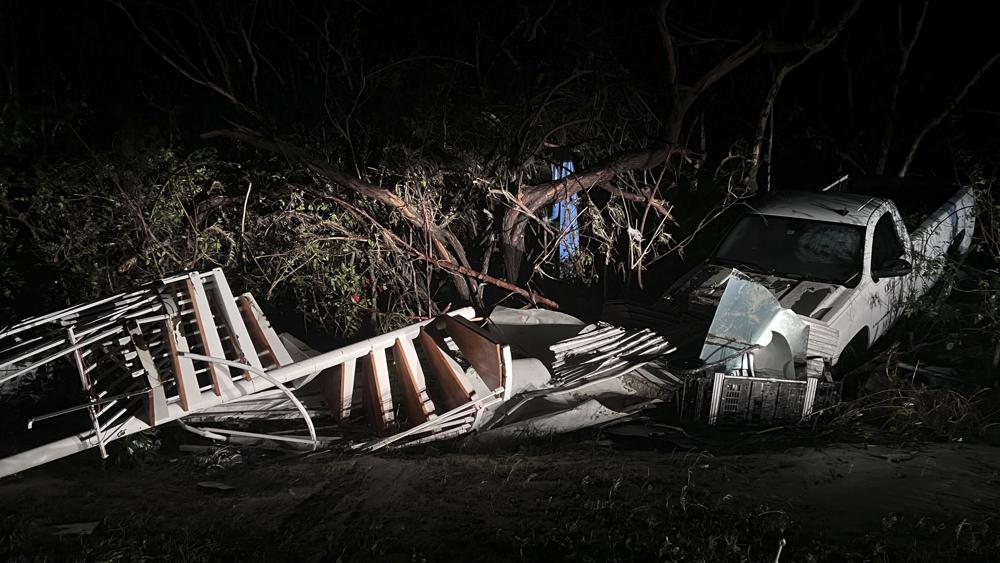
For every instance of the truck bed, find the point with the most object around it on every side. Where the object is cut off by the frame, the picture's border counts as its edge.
(915, 198)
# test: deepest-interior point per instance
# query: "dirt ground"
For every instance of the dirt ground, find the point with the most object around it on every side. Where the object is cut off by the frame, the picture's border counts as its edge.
(591, 499)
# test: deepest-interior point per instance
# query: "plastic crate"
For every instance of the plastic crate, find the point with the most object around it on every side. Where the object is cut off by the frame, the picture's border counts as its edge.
(735, 399)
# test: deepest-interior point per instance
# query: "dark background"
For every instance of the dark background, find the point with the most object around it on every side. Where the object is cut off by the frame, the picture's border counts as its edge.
(80, 81)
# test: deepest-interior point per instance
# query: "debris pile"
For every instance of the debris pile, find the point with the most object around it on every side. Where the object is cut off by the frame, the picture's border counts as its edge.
(138, 360)
(185, 350)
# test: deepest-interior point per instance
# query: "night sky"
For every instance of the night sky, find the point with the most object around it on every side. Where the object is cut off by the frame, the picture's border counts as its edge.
(493, 88)
(84, 64)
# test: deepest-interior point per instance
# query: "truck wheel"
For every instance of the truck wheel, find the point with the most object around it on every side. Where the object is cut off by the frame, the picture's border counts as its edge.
(850, 358)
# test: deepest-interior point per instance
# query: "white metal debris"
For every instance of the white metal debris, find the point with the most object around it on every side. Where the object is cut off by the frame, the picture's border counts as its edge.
(186, 349)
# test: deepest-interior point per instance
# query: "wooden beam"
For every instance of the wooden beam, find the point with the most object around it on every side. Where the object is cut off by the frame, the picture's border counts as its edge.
(263, 336)
(233, 320)
(380, 393)
(416, 401)
(336, 384)
(479, 348)
(210, 342)
(188, 389)
(454, 390)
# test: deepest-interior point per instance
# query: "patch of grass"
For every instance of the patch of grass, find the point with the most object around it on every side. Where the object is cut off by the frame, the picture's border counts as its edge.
(575, 504)
(917, 413)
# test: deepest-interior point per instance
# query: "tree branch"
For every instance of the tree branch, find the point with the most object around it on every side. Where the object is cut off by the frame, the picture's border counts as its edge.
(648, 198)
(538, 196)
(944, 113)
(453, 251)
(667, 40)
(532, 296)
(187, 72)
(890, 119)
(765, 114)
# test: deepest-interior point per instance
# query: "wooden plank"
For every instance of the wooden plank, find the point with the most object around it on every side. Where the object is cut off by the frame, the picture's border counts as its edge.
(188, 389)
(416, 401)
(264, 337)
(348, 385)
(358, 394)
(380, 393)
(481, 351)
(156, 398)
(256, 333)
(454, 390)
(337, 387)
(232, 349)
(210, 342)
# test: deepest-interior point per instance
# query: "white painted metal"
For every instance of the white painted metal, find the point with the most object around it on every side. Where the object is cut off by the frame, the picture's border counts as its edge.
(270, 379)
(429, 426)
(234, 320)
(195, 400)
(212, 344)
(38, 321)
(225, 433)
(85, 382)
(356, 350)
(810, 398)
(60, 354)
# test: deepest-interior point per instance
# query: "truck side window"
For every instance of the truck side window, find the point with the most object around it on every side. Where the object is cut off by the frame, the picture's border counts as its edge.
(885, 245)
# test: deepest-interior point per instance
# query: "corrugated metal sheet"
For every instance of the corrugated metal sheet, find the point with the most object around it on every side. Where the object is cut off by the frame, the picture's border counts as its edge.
(604, 350)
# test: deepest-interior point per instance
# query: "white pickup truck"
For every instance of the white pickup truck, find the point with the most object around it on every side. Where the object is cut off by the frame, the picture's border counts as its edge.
(845, 264)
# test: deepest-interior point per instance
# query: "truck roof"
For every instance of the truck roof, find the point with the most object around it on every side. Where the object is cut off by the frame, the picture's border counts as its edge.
(852, 209)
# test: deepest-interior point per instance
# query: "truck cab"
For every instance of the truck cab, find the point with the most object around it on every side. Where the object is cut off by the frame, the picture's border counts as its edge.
(845, 263)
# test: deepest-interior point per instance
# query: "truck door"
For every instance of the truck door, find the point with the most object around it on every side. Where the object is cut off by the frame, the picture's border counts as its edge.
(886, 298)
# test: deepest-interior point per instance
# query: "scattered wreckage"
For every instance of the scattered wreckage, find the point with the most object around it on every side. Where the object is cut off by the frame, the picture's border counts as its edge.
(185, 350)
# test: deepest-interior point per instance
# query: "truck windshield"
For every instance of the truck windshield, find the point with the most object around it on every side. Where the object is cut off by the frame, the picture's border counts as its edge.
(794, 248)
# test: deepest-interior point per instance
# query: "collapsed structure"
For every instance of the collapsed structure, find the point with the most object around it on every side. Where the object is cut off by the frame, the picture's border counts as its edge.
(185, 350)
(753, 335)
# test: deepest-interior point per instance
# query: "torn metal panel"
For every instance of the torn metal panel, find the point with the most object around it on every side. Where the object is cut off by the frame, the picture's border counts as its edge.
(600, 374)
(603, 349)
(531, 332)
(767, 360)
(590, 412)
(748, 315)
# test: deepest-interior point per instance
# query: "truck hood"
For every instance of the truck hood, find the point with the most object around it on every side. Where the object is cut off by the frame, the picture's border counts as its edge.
(703, 287)
(687, 309)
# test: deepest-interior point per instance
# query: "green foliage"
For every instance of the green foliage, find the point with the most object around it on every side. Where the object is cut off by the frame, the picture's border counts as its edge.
(124, 218)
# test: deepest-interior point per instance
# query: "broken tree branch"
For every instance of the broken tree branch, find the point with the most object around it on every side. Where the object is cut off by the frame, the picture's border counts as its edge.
(667, 41)
(532, 198)
(766, 111)
(890, 114)
(448, 265)
(937, 119)
(443, 240)
(646, 197)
